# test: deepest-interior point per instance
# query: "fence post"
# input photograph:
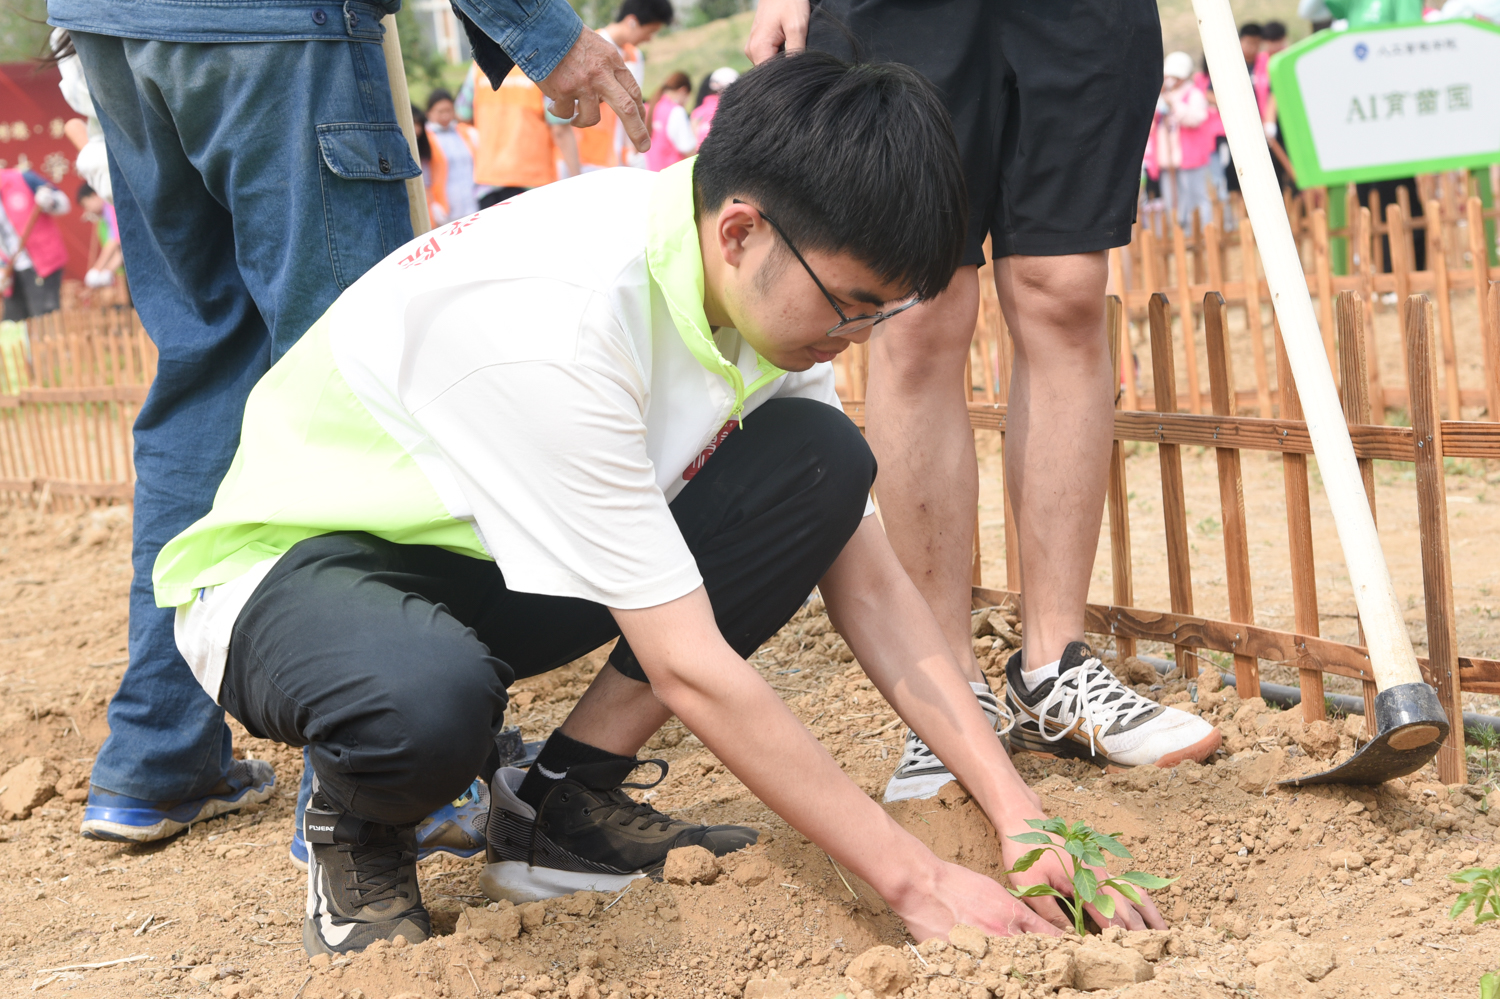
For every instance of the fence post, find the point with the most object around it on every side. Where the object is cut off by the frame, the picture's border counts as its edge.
(1490, 335)
(1432, 516)
(1356, 401)
(1437, 263)
(1189, 321)
(1250, 277)
(1323, 268)
(1174, 506)
(1119, 495)
(1231, 493)
(1299, 533)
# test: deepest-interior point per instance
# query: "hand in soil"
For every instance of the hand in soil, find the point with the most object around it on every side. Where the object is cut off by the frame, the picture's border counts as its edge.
(959, 895)
(1049, 869)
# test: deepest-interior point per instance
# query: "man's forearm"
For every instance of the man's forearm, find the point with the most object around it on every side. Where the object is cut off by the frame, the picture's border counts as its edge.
(737, 715)
(892, 632)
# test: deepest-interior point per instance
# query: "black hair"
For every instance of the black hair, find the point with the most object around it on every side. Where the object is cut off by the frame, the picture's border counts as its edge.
(647, 11)
(1273, 31)
(1251, 29)
(438, 94)
(84, 191)
(419, 125)
(703, 90)
(854, 158)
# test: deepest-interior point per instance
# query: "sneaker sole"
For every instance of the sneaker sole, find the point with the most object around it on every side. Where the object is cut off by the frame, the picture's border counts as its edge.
(915, 788)
(114, 825)
(1066, 749)
(518, 882)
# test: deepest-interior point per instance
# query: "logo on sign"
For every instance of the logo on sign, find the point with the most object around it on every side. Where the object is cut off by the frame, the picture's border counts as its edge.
(1361, 51)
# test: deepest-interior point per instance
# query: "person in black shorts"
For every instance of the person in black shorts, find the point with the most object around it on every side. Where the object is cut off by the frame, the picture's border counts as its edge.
(1051, 102)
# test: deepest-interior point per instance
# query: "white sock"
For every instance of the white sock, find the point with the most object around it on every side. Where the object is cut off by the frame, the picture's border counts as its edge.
(1034, 677)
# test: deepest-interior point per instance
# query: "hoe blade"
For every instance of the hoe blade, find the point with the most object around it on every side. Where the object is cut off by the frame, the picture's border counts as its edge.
(1410, 727)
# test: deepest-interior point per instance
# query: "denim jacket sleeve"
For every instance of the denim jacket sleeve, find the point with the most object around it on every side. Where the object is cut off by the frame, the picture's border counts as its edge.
(534, 34)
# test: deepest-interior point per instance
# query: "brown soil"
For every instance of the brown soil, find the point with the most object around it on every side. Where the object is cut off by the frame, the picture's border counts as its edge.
(1274, 886)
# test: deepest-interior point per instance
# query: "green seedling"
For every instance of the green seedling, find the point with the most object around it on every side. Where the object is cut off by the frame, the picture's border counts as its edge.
(1081, 849)
(1483, 737)
(1484, 896)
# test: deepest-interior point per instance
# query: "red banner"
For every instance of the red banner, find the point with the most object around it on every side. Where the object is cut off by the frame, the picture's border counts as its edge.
(32, 113)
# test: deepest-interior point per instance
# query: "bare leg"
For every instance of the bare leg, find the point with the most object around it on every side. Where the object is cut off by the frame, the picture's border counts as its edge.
(918, 427)
(1059, 425)
(616, 714)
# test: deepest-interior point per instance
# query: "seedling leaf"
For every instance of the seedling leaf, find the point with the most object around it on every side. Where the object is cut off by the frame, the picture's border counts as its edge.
(1106, 905)
(1041, 839)
(1024, 864)
(1124, 889)
(1144, 880)
(1086, 885)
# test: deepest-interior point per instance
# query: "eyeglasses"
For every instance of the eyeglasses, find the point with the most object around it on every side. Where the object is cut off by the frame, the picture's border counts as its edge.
(846, 324)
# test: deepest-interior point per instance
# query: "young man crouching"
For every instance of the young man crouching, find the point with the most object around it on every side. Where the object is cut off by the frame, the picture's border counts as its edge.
(601, 410)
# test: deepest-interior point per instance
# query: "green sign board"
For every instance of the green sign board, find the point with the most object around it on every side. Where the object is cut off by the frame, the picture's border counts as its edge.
(1390, 101)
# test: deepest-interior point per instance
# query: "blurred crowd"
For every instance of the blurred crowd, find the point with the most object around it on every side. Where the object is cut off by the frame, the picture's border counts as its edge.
(489, 143)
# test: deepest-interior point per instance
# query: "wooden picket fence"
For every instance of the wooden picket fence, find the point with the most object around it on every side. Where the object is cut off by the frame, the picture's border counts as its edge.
(1425, 444)
(68, 397)
(1218, 253)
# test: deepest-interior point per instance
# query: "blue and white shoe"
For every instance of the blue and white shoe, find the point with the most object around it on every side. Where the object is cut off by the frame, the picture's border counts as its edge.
(119, 818)
(456, 828)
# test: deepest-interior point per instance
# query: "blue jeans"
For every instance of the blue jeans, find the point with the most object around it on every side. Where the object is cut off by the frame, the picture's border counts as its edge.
(253, 183)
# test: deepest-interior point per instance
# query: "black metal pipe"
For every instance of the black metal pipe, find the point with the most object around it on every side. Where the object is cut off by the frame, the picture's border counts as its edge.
(1287, 697)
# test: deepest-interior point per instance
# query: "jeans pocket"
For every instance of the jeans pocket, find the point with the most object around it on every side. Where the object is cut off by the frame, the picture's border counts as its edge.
(363, 172)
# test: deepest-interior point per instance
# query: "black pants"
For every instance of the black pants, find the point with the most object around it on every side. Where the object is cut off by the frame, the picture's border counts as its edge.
(500, 194)
(33, 296)
(392, 661)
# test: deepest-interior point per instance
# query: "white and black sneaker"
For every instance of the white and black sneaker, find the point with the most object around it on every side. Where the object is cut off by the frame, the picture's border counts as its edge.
(920, 774)
(361, 882)
(588, 834)
(1077, 708)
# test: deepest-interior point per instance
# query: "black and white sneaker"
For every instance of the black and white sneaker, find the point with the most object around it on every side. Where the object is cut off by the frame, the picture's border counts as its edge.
(920, 774)
(361, 882)
(588, 835)
(1078, 709)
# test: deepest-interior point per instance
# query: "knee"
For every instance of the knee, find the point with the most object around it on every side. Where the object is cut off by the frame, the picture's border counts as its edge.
(1057, 304)
(845, 466)
(931, 341)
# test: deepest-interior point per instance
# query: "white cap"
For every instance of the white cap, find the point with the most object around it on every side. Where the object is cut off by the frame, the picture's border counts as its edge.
(1178, 65)
(722, 77)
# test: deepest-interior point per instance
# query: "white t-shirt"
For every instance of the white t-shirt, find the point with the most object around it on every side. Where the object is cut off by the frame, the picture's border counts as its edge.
(528, 361)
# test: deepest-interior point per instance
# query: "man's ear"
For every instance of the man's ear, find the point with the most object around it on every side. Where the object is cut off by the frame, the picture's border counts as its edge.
(735, 226)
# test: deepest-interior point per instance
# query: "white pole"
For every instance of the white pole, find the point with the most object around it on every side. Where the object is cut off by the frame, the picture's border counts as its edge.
(1392, 658)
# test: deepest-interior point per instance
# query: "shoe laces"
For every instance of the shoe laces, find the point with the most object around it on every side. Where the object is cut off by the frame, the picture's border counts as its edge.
(626, 811)
(1094, 697)
(917, 751)
(377, 870)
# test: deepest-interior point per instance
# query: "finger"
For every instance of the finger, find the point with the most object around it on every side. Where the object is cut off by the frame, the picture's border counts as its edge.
(1154, 919)
(1046, 907)
(630, 112)
(564, 107)
(588, 111)
(1030, 922)
(763, 44)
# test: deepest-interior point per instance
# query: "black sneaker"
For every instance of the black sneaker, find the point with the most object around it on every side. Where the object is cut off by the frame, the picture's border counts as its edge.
(1082, 711)
(361, 882)
(588, 835)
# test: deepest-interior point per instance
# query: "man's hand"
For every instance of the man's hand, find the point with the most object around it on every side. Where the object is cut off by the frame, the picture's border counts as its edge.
(964, 896)
(779, 24)
(1051, 870)
(593, 71)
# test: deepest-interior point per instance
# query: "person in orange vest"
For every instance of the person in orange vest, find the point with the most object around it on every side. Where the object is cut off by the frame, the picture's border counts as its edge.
(520, 144)
(636, 23)
(455, 147)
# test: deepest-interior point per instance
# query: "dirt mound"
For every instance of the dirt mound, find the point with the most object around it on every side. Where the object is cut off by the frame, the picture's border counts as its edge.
(1319, 892)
